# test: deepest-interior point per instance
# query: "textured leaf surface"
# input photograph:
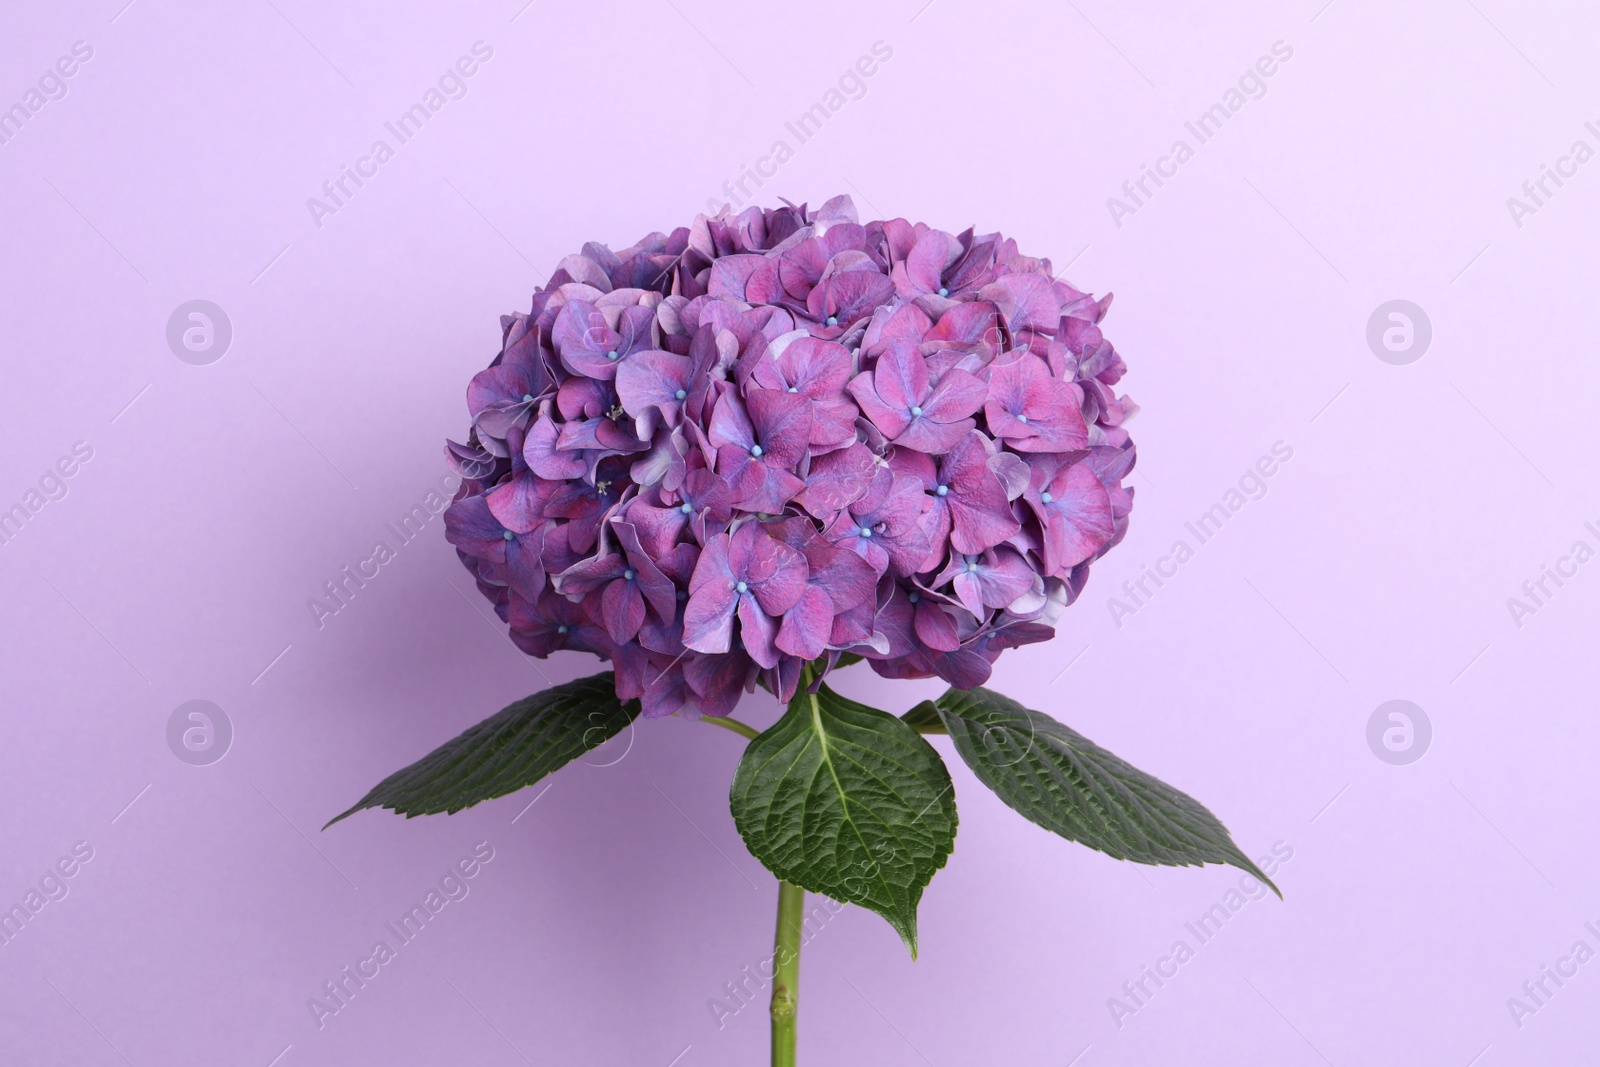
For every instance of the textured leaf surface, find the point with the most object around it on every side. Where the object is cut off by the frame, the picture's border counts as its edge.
(850, 802)
(1066, 783)
(925, 718)
(513, 748)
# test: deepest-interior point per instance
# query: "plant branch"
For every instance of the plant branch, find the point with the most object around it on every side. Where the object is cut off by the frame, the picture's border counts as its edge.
(728, 723)
(786, 973)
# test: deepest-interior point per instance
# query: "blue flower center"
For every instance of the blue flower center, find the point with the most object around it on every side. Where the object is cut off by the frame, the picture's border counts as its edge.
(942, 490)
(629, 574)
(1046, 497)
(682, 394)
(915, 411)
(561, 629)
(686, 507)
(527, 398)
(833, 320)
(972, 567)
(914, 597)
(612, 355)
(755, 450)
(742, 587)
(508, 535)
(794, 389)
(865, 531)
(1022, 418)
(943, 291)
(683, 595)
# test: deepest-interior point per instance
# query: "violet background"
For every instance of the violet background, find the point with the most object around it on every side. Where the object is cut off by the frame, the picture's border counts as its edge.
(220, 498)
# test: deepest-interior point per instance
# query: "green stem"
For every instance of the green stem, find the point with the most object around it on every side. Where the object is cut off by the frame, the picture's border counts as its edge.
(786, 972)
(735, 725)
(786, 941)
(786, 954)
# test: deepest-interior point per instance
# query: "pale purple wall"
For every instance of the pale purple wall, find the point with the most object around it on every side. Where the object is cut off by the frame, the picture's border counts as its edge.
(1377, 567)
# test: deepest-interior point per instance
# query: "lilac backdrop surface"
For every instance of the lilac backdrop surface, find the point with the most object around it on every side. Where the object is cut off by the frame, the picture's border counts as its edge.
(1374, 164)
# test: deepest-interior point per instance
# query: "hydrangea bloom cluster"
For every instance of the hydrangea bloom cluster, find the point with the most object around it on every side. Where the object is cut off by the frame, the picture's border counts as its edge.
(779, 437)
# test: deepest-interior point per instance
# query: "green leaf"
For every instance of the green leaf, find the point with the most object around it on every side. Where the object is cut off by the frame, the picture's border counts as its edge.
(850, 802)
(924, 718)
(1066, 783)
(511, 749)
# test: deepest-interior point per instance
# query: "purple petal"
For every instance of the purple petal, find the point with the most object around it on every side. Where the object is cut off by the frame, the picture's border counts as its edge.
(849, 296)
(980, 514)
(925, 266)
(1079, 517)
(656, 586)
(901, 378)
(584, 339)
(891, 420)
(1028, 301)
(650, 382)
(926, 435)
(730, 273)
(544, 459)
(807, 625)
(518, 504)
(524, 568)
(757, 631)
(666, 694)
(708, 617)
(968, 585)
(837, 480)
(935, 628)
(962, 668)
(844, 576)
(585, 577)
(730, 424)
(622, 608)
(756, 486)
(472, 527)
(658, 528)
(713, 566)
(782, 425)
(717, 681)
(817, 368)
(1005, 577)
(965, 326)
(956, 396)
(785, 583)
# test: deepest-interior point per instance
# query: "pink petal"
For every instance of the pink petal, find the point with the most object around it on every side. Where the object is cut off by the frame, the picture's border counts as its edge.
(935, 628)
(622, 609)
(757, 630)
(901, 377)
(807, 625)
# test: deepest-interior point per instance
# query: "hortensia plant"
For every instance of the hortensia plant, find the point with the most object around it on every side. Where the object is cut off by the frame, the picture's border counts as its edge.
(770, 445)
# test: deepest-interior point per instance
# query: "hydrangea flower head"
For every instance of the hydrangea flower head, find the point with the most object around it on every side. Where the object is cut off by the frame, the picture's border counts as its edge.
(776, 438)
